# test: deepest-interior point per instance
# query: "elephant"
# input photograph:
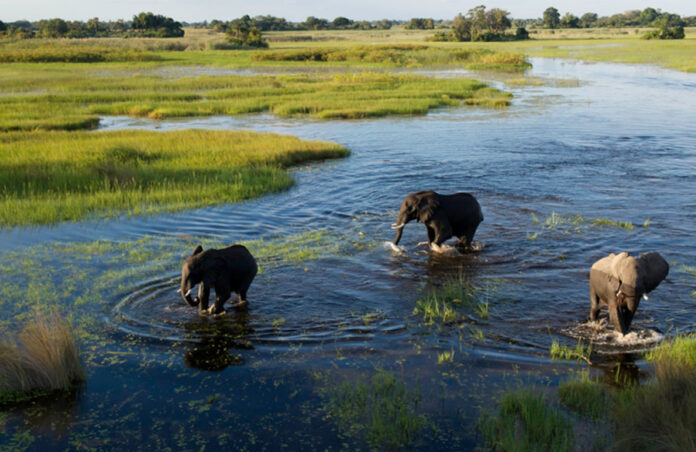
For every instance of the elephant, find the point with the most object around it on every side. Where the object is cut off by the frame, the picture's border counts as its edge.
(227, 270)
(618, 281)
(444, 216)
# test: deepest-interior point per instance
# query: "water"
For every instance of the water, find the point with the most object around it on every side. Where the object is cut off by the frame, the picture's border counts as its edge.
(619, 145)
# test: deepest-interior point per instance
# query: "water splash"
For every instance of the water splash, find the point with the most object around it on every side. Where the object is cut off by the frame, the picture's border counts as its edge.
(607, 340)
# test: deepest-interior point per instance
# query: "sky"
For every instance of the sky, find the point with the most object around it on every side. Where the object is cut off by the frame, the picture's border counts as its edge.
(298, 10)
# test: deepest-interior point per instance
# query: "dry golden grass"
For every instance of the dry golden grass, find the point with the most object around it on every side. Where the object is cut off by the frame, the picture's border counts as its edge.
(44, 358)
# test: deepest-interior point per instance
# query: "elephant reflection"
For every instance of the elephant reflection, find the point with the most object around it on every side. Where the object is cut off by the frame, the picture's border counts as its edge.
(444, 216)
(618, 281)
(219, 341)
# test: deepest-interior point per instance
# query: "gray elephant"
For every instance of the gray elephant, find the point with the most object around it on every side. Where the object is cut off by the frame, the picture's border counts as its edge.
(228, 270)
(618, 281)
(444, 216)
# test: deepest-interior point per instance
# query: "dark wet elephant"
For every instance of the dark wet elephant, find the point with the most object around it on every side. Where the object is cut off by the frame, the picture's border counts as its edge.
(444, 216)
(618, 281)
(228, 270)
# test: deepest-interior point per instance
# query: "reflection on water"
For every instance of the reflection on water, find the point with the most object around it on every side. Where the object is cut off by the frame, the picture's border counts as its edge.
(618, 146)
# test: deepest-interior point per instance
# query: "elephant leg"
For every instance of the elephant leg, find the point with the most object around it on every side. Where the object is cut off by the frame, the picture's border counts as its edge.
(594, 304)
(221, 295)
(203, 295)
(615, 319)
(431, 234)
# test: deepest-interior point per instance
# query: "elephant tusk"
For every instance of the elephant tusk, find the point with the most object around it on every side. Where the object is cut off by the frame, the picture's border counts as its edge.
(645, 297)
(397, 226)
(178, 290)
(188, 293)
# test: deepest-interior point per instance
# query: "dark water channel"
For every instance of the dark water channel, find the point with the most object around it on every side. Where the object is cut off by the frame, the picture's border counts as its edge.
(618, 142)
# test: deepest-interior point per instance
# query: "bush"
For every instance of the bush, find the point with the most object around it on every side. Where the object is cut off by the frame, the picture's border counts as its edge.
(666, 32)
(45, 359)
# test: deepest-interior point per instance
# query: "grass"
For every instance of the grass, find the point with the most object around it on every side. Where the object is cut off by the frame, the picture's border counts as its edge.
(563, 352)
(526, 422)
(452, 301)
(661, 415)
(48, 177)
(586, 397)
(38, 97)
(44, 359)
(445, 357)
(384, 411)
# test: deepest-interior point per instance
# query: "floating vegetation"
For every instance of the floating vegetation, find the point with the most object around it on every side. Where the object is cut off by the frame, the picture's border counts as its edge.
(44, 359)
(577, 223)
(526, 421)
(563, 352)
(383, 411)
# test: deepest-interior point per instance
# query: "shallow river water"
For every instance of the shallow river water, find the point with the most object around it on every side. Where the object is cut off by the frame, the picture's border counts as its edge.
(595, 141)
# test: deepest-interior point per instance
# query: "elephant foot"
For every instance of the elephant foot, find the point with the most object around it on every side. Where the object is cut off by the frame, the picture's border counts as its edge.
(422, 244)
(213, 312)
(242, 304)
(442, 249)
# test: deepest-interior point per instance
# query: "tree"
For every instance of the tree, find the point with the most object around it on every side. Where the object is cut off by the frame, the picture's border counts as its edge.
(341, 22)
(312, 23)
(384, 24)
(461, 28)
(3, 27)
(418, 23)
(245, 35)
(570, 21)
(497, 20)
(149, 24)
(52, 28)
(648, 16)
(551, 17)
(588, 20)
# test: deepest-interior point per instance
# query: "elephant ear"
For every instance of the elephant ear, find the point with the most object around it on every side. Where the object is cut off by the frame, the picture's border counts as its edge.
(655, 270)
(198, 250)
(214, 266)
(427, 207)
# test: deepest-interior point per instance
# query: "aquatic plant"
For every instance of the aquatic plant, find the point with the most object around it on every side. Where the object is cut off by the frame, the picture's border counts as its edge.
(384, 411)
(45, 358)
(453, 300)
(563, 352)
(445, 357)
(586, 397)
(526, 421)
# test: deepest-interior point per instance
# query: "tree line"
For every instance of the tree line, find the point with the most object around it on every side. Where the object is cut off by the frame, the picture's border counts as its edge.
(142, 25)
(478, 24)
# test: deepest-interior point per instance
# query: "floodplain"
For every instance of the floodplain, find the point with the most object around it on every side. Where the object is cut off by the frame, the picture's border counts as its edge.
(113, 170)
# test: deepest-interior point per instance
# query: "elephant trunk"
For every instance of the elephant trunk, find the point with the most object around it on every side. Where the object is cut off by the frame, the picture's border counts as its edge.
(399, 231)
(186, 293)
(401, 221)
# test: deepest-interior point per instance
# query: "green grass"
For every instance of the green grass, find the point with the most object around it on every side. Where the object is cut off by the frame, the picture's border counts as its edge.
(44, 359)
(383, 411)
(526, 422)
(586, 397)
(452, 301)
(581, 352)
(48, 98)
(662, 414)
(73, 54)
(48, 177)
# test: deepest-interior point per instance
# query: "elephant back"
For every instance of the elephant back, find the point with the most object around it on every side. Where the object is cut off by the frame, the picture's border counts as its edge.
(464, 206)
(655, 269)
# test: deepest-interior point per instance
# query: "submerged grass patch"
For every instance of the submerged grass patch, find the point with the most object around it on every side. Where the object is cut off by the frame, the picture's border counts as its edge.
(48, 177)
(383, 411)
(44, 359)
(560, 351)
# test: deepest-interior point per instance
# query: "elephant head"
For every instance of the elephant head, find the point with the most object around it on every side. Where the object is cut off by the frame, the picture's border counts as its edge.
(620, 281)
(191, 274)
(419, 206)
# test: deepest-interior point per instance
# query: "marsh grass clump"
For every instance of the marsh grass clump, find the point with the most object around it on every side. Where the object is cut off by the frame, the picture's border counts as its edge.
(662, 414)
(586, 397)
(453, 300)
(383, 411)
(526, 421)
(73, 54)
(563, 352)
(45, 358)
